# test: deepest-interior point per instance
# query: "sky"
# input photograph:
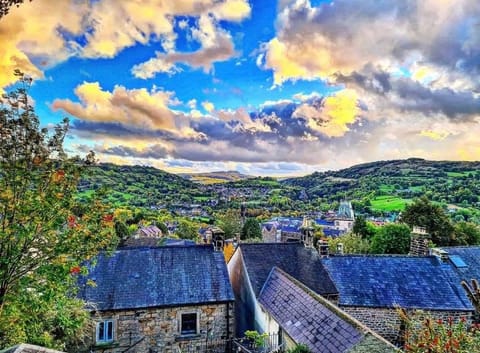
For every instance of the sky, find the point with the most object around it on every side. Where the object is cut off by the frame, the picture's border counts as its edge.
(263, 87)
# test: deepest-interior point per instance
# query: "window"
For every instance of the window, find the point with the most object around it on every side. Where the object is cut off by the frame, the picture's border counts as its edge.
(105, 331)
(188, 324)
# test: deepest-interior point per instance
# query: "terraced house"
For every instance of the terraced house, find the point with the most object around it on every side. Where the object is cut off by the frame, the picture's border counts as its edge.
(159, 299)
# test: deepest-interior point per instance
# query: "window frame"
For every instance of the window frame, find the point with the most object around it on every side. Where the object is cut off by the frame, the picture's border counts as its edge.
(197, 323)
(104, 339)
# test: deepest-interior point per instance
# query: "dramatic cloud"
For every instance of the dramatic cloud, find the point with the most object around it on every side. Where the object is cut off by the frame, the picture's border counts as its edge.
(216, 45)
(42, 34)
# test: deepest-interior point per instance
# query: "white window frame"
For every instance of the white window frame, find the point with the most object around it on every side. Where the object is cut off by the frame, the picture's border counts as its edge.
(197, 316)
(104, 339)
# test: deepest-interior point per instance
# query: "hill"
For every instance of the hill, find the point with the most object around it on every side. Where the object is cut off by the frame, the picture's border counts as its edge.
(390, 185)
(138, 185)
(215, 177)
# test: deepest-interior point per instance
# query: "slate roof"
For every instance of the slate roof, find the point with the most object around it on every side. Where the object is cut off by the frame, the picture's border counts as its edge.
(305, 318)
(301, 263)
(158, 276)
(470, 256)
(389, 281)
(28, 348)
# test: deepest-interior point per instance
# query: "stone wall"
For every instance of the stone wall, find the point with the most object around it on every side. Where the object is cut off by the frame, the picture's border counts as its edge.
(386, 321)
(158, 329)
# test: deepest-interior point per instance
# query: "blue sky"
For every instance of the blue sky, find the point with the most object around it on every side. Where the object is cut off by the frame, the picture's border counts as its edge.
(263, 87)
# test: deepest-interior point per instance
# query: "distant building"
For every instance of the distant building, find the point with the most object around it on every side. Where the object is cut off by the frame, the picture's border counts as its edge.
(158, 299)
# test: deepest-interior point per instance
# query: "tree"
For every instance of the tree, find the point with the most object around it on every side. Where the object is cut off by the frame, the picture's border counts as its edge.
(426, 214)
(45, 231)
(251, 229)
(6, 4)
(466, 233)
(352, 244)
(363, 228)
(187, 229)
(391, 239)
(230, 223)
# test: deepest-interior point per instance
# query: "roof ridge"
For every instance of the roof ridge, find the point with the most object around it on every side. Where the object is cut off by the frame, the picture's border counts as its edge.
(330, 306)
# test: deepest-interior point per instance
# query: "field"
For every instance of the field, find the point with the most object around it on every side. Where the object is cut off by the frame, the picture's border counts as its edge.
(389, 203)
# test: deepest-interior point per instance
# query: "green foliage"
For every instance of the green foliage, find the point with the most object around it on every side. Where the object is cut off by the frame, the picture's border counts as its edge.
(352, 244)
(187, 229)
(251, 229)
(45, 232)
(230, 222)
(299, 348)
(466, 233)
(391, 239)
(258, 339)
(425, 334)
(363, 228)
(424, 213)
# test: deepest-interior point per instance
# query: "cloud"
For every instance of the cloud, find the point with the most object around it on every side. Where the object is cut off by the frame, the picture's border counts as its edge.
(40, 35)
(346, 35)
(216, 45)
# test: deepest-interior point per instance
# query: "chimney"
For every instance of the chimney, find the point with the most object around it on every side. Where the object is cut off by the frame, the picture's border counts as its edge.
(419, 242)
(441, 254)
(340, 248)
(323, 249)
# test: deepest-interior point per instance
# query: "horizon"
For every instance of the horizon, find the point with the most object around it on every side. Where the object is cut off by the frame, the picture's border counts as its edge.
(266, 88)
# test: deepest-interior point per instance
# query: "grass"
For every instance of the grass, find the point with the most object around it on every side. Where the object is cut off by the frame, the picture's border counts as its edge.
(460, 174)
(389, 203)
(386, 188)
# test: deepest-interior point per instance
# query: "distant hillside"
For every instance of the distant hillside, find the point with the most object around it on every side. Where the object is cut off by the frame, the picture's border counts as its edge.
(138, 185)
(216, 177)
(390, 185)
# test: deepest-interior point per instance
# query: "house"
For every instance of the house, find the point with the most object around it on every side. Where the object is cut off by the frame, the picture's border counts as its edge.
(148, 231)
(158, 299)
(300, 316)
(249, 269)
(465, 260)
(372, 287)
(28, 348)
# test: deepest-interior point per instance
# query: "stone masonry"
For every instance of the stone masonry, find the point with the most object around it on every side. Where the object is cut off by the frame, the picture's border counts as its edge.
(155, 330)
(387, 323)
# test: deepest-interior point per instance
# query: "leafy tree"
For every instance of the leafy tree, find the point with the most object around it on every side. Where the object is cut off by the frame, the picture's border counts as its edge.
(251, 229)
(363, 228)
(299, 348)
(163, 228)
(391, 239)
(426, 214)
(230, 223)
(45, 232)
(6, 4)
(352, 244)
(187, 229)
(466, 233)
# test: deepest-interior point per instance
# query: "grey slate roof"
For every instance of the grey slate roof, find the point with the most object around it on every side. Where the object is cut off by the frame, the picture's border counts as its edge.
(28, 348)
(305, 318)
(471, 257)
(299, 262)
(158, 276)
(389, 281)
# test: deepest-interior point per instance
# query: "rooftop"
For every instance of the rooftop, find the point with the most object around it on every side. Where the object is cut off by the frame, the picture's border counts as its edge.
(391, 281)
(468, 267)
(158, 276)
(301, 263)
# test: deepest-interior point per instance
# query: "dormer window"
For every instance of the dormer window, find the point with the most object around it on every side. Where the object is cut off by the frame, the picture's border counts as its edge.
(104, 332)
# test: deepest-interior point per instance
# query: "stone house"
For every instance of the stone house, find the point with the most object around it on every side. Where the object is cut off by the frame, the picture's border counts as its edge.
(299, 316)
(372, 287)
(158, 299)
(249, 269)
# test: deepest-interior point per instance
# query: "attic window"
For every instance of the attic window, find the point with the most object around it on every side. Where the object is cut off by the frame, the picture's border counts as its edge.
(458, 261)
